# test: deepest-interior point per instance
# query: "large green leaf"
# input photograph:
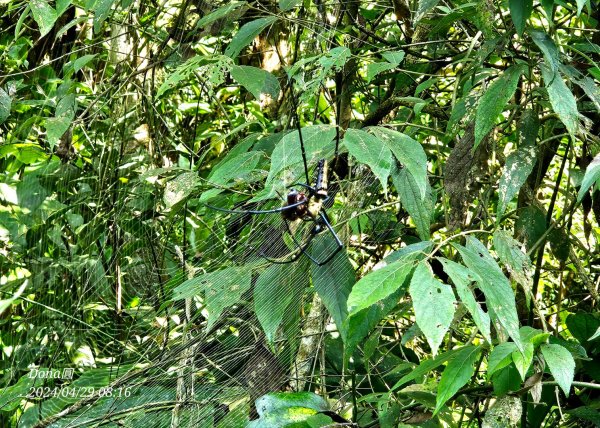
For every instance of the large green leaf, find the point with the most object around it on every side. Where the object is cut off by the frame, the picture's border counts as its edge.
(334, 280)
(562, 99)
(370, 150)
(409, 153)
(219, 13)
(500, 357)
(275, 289)
(256, 81)
(246, 34)
(286, 160)
(419, 210)
(5, 105)
(221, 289)
(434, 305)
(561, 364)
(457, 373)
(44, 15)
(381, 283)
(425, 367)
(494, 100)
(183, 71)
(498, 293)
(11, 396)
(517, 262)
(463, 278)
(63, 117)
(393, 60)
(592, 175)
(179, 188)
(520, 11)
(424, 7)
(285, 5)
(102, 10)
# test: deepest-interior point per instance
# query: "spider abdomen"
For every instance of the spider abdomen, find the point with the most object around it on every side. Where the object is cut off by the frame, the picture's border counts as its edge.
(297, 212)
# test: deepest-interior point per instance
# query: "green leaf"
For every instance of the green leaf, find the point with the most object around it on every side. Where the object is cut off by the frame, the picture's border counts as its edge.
(285, 5)
(463, 278)
(44, 15)
(394, 57)
(583, 326)
(580, 4)
(500, 357)
(334, 280)
(183, 71)
(562, 99)
(409, 153)
(523, 360)
(376, 68)
(286, 159)
(274, 401)
(548, 6)
(63, 117)
(62, 6)
(426, 366)
(256, 81)
(246, 34)
(424, 7)
(221, 289)
(359, 324)
(561, 364)
(370, 150)
(419, 210)
(101, 9)
(11, 396)
(379, 284)
(6, 303)
(494, 100)
(516, 261)
(519, 164)
(219, 13)
(5, 105)
(548, 48)
(179, 188)
(434, 305)
(592, 175)
(275, 289)
(457, 373)
(79, 63)
(496, 288)
(520, 11)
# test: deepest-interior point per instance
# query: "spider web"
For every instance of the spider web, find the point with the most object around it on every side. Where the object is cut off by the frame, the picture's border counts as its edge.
(164, 370)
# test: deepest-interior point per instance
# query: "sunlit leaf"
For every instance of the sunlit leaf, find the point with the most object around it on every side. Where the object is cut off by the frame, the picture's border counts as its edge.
(498, 293)
(370, 150)
(44, 15)
(520, 10)
(285, 5)
(256, 81)
(462, 278)
(434, 305)
(219, 13)
(494, 100)
(380, 283)
(246, 34)
(409, 152)
(420, 210)
(561, 364)
(424, 7)
(457, 373)
(592, 175)
(5, 105)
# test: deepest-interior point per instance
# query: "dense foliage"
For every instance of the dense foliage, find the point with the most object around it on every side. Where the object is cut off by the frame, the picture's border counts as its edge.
(463, 151)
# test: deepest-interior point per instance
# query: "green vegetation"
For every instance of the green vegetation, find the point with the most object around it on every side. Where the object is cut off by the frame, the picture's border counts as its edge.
(462, 144)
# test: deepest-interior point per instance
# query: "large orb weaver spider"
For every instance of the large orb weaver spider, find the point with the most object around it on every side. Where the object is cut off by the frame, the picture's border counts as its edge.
(306, 204)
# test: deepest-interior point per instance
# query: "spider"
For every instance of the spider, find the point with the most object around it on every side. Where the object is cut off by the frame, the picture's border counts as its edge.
(307, 205)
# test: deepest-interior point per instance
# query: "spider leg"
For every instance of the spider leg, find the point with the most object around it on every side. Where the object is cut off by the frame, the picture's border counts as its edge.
(301, 251)
(276, 210)
(340, 245)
